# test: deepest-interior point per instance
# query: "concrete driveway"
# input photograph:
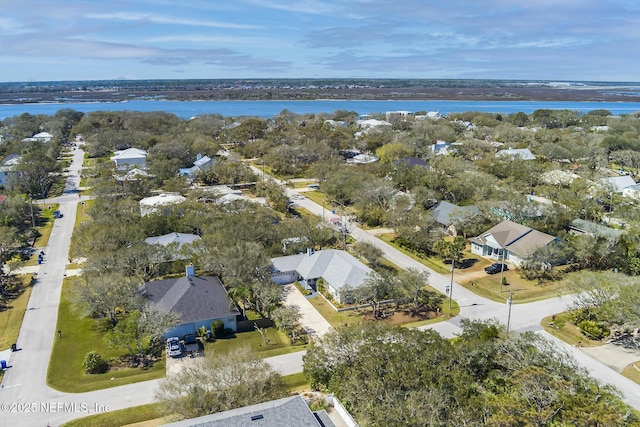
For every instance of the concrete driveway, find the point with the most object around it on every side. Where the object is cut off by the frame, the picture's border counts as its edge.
(311, 321)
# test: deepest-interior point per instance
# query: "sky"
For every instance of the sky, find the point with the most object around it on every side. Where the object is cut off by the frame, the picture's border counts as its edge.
(50, 40)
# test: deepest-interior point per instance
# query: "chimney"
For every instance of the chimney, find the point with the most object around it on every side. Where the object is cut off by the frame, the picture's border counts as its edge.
(309, 251)
(191, 271)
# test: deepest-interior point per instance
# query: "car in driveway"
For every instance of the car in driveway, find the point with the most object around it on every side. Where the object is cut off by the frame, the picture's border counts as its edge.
(174, 348)
(57, 214)
(190, 339)
(496, 268)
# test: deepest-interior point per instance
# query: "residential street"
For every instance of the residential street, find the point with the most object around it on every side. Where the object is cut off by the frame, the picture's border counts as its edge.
(27, 400)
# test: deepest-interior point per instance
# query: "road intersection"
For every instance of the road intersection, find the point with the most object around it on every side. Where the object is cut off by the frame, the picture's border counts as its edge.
(26, 399)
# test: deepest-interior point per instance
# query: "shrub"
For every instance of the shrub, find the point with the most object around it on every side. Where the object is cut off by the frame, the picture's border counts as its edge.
(94, 363)
(227, 332)
(597, 330)
(217, 328)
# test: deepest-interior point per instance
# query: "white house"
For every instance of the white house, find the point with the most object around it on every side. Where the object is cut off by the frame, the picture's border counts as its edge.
(509, 241)
(615, 183)
(174, 244)
(155, 204)
(130, 158)
(39, 137)
(514, 153)
(362, 159)
(201, 163)
(339, 270)
(7, 167)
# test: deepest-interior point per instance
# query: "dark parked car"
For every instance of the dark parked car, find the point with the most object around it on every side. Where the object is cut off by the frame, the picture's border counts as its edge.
(496, 268)
(190, 339)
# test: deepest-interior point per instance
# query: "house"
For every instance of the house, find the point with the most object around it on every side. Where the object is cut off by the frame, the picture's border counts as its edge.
(581, 226)
(411, 162)
(362, 159)
(159, 203)
(615, 184)
(198, 300)
(392, 115)
(509, 241)
(446, 214)
(201, 163)
(174, 242)
(289, 411)
(632, 191)
(130, 158)
(7, 168)
(440, 148)
(516, 153)
(39, 137)
(337, 268)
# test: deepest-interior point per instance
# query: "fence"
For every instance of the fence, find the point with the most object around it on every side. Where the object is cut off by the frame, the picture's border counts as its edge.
(249, 325)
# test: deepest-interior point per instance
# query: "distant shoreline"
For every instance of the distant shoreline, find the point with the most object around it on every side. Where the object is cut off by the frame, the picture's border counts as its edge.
(310, 89)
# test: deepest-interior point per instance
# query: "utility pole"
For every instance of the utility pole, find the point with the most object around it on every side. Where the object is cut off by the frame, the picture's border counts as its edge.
(33, 219)
(453, 266)
(502, 270)
(509, 301)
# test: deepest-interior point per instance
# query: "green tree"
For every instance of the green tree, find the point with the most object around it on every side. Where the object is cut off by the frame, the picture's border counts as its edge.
(219, 382)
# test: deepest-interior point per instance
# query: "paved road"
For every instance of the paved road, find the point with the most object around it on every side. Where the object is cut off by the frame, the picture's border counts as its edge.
(524, 317)
(24, 387)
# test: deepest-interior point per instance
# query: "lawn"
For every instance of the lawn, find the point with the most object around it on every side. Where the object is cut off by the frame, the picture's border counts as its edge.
(154, 413)
(488, 286)
(632, 372)
(524, 290)
(44, 225)
(335, 318)
(79, 336)
(277, 344)
(11, 316)
(562, 328)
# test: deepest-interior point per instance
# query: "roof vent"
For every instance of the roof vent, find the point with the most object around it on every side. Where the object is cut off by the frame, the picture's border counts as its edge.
(257, 417)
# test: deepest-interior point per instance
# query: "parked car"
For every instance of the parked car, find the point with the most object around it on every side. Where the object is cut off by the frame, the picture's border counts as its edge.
(174, 348)
(190, 339)
(57, 214)
(496, 268)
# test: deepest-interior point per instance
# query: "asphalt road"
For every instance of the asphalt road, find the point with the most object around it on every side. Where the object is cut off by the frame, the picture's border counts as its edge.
(25, 398)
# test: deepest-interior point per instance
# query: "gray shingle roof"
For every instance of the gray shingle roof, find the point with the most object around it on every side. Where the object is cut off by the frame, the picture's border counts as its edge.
(194, 298)
(172, 238)
(338, 268)
(286, 412)
(445, 212)
(516, 238)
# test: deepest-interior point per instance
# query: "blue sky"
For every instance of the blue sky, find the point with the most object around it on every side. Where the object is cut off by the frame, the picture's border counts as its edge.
(43, 40)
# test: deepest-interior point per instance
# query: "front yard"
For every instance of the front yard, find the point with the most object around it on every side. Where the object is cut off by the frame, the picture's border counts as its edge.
(79, 336)
(473, 277)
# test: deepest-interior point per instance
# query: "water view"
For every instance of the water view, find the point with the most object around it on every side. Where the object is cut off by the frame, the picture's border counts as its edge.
(266, 109)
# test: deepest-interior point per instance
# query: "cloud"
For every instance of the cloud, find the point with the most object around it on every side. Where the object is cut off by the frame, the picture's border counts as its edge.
(168, 20)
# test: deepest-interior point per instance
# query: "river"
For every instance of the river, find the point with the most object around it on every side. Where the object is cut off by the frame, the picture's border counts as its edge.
(267, 109)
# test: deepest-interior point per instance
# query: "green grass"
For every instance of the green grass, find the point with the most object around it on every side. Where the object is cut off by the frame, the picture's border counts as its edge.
(296, 383)
(563, 329)
(79, 336)
(335, 318)
(152, 411)
(44, 225)
(524, 290)
(488, 286)
(11, 316)
(435, 264)
(632, 372)
(277, 344)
